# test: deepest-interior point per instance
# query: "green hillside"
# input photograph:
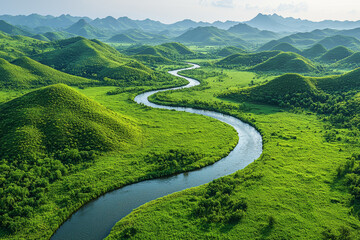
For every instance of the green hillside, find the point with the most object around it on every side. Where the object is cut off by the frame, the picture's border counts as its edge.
(227, 51)
(336, 54)
(286, 62)
(94, 59)
(274, 92)
(352, 61)
(44, 135)
(315, 51)
(12, 30)
(27, 73)
(340, 40)
(171, 51)
(12, 47)
(55, 36)
(343, 83)
(285, 47)
(247, 59)
(137, 36)
(82, 28)
(210, 36)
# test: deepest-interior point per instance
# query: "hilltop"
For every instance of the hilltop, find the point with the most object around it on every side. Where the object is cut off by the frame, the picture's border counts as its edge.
(315, 51)
(137, 36)
(171, 51)
(84, 29)
(286, 62)
(342, 83)
(352, 61)
(247, 59)
(339, 40)
(210, 36)
(336, 54)
(57, 118)
(285, 47)
(227, 51)
(96, 60)
(27, 73)
(12, 30)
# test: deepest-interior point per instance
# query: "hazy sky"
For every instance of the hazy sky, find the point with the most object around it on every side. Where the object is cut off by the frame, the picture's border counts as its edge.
(169, 11)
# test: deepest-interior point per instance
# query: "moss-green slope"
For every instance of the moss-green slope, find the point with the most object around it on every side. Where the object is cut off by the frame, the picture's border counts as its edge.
(286, 62)
(336, 54)
(58, 118)
(244, 59)
(27, 73)
(94, 59)
(286, 47)
(315, 51)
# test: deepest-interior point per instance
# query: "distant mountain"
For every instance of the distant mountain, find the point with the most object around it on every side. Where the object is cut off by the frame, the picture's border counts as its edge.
(108, 23)
(84, 29)
(247, 59)
(137, 36)
(247, 32)
(210, 36)
(36, 20)
(278, 23)
(12, 30)
(187, 23)
(352, 61)
(227, 51)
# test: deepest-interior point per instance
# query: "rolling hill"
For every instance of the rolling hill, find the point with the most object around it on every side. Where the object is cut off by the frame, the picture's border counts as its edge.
(341, 83)
(285, 47)
(84, 29)
(57, 118)
(247, 59)
(275, 91)
(96, 60)
(352, 61)
(286, 62)
(27, 73)
(227, 51)
(170, 51)
(339, 40)
(210, 36)
(137, 36)
(336, 54)
(315, 51)
(250, 33)
(12, 30)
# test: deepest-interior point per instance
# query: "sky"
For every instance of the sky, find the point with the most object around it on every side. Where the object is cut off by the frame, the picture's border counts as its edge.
(169, 11)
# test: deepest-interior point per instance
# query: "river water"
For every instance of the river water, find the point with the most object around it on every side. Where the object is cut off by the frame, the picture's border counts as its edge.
(94, 220)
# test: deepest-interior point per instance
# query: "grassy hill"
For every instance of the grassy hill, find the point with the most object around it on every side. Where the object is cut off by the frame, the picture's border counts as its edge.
(315, 51)
(210, 36)
(336, 54)
(286, 62)
(12, 47)
(340, 40)
(82, 28)
(27, 73)
(247, 59)
(94, 59)
(227, 51)
(137, 36)
(12, 30)
(171, 51)
(342, 83)
(352, 61)
(285, 47)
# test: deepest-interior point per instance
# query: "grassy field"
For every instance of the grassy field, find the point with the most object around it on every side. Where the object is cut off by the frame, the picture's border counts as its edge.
(162, 131)
(291, 192)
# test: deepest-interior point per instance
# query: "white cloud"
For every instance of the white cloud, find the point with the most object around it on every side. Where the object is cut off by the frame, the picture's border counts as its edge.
(292, 7)
(224, 3)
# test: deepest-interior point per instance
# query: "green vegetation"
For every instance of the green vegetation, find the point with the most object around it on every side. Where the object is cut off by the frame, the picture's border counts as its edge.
(81, 150)
(137, 36)
(82, 28)
(285, 47)
(210, 36)
(27, 73)
(247, 60)
(291, 191)
(352, 61)
(227, 51)
(336, 54)
(315, 51)
(12, 30)
(340, 40)
(286, 62)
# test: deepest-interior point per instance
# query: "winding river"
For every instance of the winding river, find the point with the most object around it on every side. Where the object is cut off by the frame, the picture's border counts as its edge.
(95, 219)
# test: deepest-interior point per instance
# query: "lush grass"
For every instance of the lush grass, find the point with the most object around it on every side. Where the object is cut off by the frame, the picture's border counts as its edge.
(27, 73)
(162, 132)
(243, 59)
(336, 54)
(291, 192)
